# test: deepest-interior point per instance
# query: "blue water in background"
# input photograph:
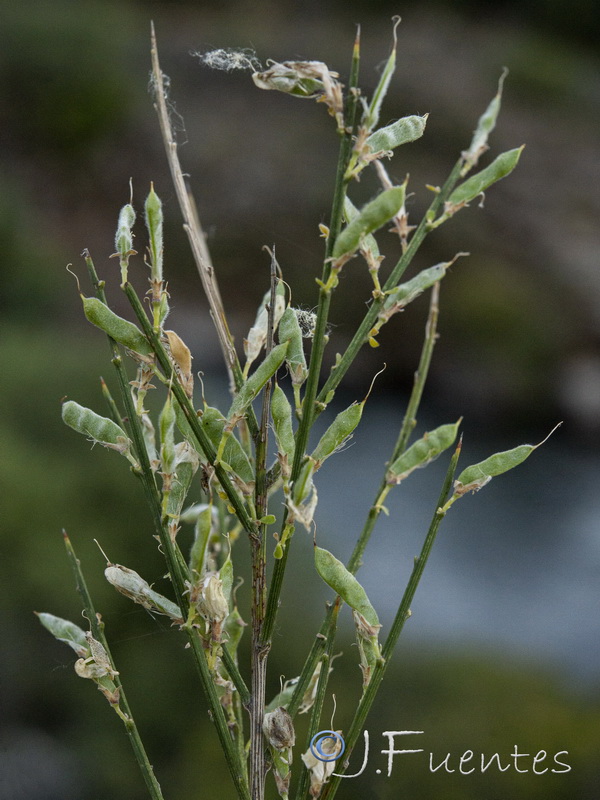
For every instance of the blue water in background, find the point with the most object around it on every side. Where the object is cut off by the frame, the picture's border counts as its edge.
(516, 567)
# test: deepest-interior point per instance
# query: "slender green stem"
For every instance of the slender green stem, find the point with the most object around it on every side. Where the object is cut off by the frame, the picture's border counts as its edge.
(97, 629)
(402, 615)
(236, 676)
(175, 563)
(375, 510)
(258, 545)
(188, 410)
(356, 558)
(319, 339)
(317, 709)
(408, 424)
(362, 334)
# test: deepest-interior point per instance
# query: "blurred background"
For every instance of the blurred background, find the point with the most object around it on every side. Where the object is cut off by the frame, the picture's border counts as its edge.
(504, 644)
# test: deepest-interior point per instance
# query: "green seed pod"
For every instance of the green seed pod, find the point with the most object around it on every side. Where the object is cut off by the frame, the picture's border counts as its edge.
(337, 433)
(123, 238)
(290, 332)
(166, 424)
(405, 293)
(213, 424)
(281, 411)
(234, 629)
(335, 575)
(404, 130)
(284, 697)
(66, 632)
(368, 246)
(129, 583)
(369, 219)
(100, 429)
(485, 125)
(250, 388)
(185, 466)
(206, 525)
(154, 224)
(476, 476)
(478, 183)
(226, 576)
(119, 329)
(422, 452)
(372, 115)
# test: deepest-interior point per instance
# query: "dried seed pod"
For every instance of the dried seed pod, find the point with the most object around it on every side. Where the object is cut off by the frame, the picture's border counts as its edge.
(129, 583)
(404, 130)
(291, 332)
(257, 336)
(370, 218)
(278, 729)
(183, 361)
(478, 183)
(119, 329)
(154, 224)
(335, 575)
(281, 411)
(100, 429)
(66, 631)
(485, 125)
(100, 656)
(422, 452)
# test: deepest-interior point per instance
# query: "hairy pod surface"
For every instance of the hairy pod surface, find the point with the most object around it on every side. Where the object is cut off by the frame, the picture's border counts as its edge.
(119, 329)
(370, 218)
(422, 452)
(343, 582)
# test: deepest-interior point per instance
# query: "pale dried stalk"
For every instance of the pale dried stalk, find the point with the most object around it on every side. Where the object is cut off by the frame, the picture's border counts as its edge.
(191, 224)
